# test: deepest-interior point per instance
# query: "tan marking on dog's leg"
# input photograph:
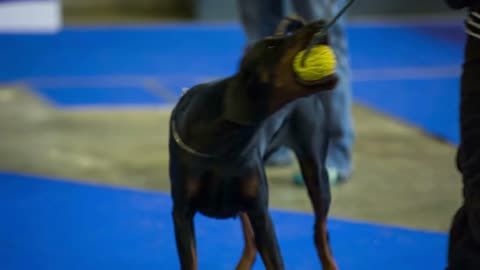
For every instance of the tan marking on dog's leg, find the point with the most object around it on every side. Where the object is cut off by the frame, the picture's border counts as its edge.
(250, 250)
(193, 250)
(192, 187)
(323, 247)
(250, 186)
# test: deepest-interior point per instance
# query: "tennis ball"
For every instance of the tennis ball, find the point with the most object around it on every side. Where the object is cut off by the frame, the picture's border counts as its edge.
(320, 63)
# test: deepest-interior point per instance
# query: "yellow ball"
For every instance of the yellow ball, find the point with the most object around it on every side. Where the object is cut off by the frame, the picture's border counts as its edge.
(320, 63)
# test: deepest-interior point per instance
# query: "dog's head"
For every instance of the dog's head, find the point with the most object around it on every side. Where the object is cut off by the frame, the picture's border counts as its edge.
(266, 77)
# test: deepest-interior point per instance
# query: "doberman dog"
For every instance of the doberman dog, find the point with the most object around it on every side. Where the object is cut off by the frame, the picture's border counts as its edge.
(222, 132)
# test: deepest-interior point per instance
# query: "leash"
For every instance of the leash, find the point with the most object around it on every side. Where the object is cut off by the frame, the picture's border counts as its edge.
(317, 37)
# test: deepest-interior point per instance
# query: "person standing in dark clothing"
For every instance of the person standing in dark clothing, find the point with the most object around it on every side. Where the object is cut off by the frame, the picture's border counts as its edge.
(464, 238)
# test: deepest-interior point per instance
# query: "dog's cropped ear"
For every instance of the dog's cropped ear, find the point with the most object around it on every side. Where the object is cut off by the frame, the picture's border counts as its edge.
(289, 25)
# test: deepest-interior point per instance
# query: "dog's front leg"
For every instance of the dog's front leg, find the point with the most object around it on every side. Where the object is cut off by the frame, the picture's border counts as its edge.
(185, 237)
(266, 239)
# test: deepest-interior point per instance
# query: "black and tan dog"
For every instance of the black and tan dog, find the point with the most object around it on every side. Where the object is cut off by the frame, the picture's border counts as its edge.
(221, 133)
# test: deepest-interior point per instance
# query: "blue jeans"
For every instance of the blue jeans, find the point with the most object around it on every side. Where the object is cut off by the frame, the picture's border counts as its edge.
(260, 18)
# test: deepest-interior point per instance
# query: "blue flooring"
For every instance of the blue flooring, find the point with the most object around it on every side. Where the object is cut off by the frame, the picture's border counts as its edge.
(430, 104)
(181, 55)
(57, 225)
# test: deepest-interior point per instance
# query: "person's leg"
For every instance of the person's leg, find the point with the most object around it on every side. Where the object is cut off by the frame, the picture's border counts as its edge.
(259, 19)
(338, 103)
(464, 241)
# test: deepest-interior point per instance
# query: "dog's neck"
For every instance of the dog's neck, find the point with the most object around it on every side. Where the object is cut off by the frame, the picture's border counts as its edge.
(245, 102)
(231, 126)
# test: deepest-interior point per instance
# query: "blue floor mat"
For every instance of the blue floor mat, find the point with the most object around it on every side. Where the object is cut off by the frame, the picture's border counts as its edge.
(57, 225)
(432, 105)
(377, 46)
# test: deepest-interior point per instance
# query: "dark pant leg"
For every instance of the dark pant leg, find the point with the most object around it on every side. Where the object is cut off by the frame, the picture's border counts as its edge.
(464, 242)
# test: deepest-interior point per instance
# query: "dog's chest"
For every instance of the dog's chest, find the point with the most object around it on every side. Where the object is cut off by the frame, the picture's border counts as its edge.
(222, 196)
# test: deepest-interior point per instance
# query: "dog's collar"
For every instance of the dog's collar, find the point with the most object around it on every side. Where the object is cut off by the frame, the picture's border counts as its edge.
(186, 147)
(181, 143)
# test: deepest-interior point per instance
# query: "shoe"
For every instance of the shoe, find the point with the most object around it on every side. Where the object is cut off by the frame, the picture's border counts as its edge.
(334, 177)
(280, 158)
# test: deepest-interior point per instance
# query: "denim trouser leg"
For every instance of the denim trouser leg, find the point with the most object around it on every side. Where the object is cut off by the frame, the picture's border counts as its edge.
(260, 18)
(337, 103)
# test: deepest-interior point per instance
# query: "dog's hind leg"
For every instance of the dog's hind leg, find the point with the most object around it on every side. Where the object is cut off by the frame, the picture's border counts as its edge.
(185, 237)
(318, 187)
(250, 250)
(309, 140)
